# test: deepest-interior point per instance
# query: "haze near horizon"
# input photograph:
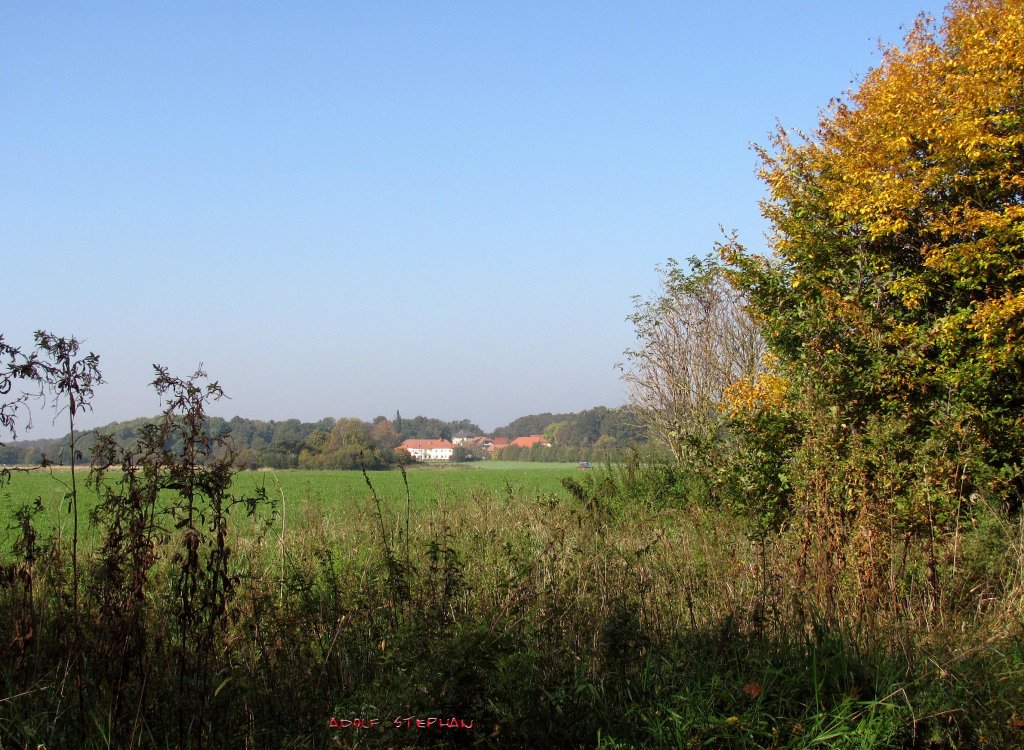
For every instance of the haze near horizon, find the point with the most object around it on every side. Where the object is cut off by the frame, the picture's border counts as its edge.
(353, 209)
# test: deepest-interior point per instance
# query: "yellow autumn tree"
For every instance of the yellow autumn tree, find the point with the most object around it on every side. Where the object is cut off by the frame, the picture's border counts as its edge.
(894, 301)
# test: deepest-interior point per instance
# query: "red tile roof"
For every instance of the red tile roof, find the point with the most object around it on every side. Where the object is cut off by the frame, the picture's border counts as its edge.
(529, 441)
(425, 444)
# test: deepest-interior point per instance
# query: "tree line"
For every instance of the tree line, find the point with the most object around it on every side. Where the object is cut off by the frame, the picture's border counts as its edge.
(598, 434)
(351, 443)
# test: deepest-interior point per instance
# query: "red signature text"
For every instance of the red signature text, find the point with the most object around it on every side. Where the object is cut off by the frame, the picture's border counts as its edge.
(412, 722)
(353, 723)
(402, 722)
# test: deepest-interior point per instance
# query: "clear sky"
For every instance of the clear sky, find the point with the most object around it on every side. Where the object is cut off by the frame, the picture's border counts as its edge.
(353, 208)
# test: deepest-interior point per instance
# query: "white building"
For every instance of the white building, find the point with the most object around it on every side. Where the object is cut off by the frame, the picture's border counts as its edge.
(428, 450)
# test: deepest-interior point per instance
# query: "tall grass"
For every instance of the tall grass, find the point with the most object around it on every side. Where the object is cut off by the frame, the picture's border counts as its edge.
(619, 613)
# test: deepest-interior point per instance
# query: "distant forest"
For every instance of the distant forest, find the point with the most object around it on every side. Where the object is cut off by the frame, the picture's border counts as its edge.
(599, 434)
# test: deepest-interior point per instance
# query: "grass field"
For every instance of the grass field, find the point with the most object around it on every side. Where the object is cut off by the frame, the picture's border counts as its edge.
(609, 614)
(306, 497)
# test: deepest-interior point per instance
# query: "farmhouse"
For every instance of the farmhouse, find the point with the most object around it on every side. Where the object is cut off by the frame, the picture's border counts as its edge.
(496, 444)
(428, 450)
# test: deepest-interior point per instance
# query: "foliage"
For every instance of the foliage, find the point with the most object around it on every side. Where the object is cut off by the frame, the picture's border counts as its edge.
(427, 428)
(578, 429)
(605, 448)
(14, 366)
(695, 341)
(598, 434)
(894, 303)
(163, 582)
(531, 424)
(763, 432)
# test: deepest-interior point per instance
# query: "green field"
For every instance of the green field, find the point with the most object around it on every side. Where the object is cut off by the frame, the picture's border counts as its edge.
(306, 497)
(616, 615)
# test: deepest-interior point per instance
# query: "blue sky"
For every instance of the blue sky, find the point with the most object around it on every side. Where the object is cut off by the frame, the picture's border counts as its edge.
(348, 209)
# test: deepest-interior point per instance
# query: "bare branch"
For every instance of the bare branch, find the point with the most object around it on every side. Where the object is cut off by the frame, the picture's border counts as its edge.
(695, 339)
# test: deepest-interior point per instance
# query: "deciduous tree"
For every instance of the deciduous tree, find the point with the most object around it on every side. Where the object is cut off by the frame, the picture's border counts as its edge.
(695, 338)
(894, 301)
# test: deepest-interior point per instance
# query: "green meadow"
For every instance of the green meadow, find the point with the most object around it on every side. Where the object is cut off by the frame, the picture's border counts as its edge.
(303, 497)
(511, 605)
